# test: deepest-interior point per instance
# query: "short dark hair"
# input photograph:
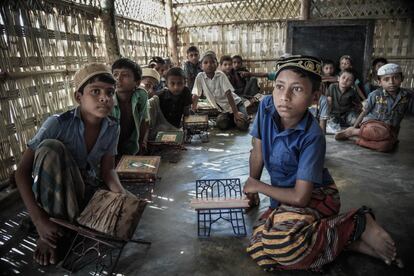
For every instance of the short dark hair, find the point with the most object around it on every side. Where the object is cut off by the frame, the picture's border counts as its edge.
(159, 60)
(225, 58)
(176, 72)
(349, 71)
(128, 64)
(314, 79)
(192, 49)
(379, 60)
(105, 77)
(237, 57)
(327, 61)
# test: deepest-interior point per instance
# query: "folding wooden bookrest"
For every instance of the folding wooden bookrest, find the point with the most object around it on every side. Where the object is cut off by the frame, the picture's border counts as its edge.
(196, 125)
(219, 199)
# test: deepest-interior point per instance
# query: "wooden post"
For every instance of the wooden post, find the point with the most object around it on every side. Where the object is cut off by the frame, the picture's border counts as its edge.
(305, 6)
(111, 38)
(171, 32)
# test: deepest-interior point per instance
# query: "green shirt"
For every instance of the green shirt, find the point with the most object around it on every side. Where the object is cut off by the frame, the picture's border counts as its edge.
(139, 112)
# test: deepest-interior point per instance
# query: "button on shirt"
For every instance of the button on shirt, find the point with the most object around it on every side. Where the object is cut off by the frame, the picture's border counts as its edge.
(290, 154)
(383, 107)
(69, 128)
(215, 90)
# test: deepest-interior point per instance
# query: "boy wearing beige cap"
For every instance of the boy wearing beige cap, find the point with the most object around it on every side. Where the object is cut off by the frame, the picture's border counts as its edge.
(378, 124)
(59, 170)
(150, 80)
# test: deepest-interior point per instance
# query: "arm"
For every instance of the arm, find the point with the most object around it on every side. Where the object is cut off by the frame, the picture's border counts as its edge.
(143, 138)
(360, 93)
(329, 98)
(238, 116)
(296, 196)
(48, 231)
(256, 159)
(194, 104)
(109, 176)
(322, 124)
(360, 117)
(250, 74)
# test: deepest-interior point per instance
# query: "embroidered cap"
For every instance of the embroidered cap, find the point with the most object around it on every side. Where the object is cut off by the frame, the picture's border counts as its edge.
(149, 72)
(209, 54)
(310, 64)
(88, 71)
(389, 68)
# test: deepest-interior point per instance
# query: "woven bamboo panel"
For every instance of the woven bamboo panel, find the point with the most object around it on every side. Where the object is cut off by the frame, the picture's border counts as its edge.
(148, 11)
(140, 42)
(361, 8)
(40, 50)
(394, 40)
(213, 12)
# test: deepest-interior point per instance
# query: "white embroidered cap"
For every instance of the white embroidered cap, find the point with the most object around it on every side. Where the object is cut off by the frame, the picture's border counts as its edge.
(389, 68)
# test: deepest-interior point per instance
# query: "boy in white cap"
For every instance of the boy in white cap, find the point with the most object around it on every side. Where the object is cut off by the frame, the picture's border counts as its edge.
(63, 162)
(150, 80)
(382, 113)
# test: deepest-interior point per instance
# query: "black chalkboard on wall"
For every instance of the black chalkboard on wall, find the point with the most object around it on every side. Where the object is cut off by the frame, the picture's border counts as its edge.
(331, 39)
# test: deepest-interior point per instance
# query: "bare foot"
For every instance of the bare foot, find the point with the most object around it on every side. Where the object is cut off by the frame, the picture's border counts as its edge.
(361, 247)
(380, 241)
(345, 134)
(44, 254)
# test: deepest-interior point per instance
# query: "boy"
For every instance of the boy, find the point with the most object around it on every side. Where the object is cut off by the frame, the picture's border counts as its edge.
(243, 86)
(159, 65)
(342, 99)
(328, 74)
(192, 66)
(382, 112)
(150, 79)
(130, 107)
(345, 62)
(65, 158)
(167, 109)
(220, 94)
(372, 79)
(302, 229)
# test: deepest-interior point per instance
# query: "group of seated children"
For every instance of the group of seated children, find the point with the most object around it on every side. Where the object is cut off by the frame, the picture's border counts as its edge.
(120, 109)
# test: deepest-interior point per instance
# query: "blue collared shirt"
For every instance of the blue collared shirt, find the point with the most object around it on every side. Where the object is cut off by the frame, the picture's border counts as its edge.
(69, 128)
(290, 154)
(383, 107)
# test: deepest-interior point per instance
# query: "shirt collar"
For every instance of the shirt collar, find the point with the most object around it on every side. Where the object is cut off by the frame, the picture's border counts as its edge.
(107, 121)
(134, 98)
(206, 77)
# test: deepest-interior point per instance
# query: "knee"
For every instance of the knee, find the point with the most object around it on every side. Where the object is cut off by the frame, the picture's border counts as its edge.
(223, 121)
(242, 125)
(52, 144)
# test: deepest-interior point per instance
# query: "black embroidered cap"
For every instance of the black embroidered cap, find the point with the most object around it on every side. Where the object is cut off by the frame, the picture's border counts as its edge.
(310, 64)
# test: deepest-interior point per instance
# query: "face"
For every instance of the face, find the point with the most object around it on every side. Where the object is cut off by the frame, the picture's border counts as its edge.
(193, 57)
(378, 65)
(149, 83)
(237, 63)
(175, 84)
(345, 64)
(209, 65)
(328, 70)
(97, 99)
(160, 68)
(346, 80)
(226, 66)
(391, 82)
(125, 82)
(292, 95)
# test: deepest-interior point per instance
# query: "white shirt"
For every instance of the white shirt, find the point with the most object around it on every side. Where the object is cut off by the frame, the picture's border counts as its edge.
(215, 90)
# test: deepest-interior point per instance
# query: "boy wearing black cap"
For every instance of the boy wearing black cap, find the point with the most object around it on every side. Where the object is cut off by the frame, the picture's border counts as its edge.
(58, 172)
(302, 229)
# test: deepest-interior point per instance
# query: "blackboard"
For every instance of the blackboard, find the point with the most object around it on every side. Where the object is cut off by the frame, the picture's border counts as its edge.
(331, 39)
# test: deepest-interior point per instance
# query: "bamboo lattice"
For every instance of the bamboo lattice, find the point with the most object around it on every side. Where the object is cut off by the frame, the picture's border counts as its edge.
(148, 11)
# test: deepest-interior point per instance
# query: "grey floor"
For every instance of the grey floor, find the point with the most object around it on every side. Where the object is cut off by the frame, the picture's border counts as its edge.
(381, 181)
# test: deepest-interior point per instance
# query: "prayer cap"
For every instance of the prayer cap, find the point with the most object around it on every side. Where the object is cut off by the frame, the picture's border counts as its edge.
(149, 72)
(89, 71)
(309, 64)
(389, 68)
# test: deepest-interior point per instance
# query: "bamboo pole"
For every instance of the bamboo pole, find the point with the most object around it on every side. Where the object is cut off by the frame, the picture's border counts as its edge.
(111, 37)
(19, 75)
(171, 31)
(305, 6)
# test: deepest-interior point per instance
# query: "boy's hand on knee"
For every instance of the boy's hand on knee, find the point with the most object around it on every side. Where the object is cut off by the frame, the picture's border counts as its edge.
(48, 231)
(238, 117)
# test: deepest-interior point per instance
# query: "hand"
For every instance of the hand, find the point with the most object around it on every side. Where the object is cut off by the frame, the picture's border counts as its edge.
(144, 147)
(48, 231)
(238, 116)
(244, 74)
(251, 186)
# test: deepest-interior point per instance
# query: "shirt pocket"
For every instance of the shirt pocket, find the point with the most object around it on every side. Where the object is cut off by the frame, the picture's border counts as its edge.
(289, 162)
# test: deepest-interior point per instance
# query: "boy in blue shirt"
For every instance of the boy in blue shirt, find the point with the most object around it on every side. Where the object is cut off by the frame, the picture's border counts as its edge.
(378, 124)
(59, 170)
(302, 228)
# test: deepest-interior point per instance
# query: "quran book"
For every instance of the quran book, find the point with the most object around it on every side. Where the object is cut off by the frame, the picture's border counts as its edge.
(139, 167)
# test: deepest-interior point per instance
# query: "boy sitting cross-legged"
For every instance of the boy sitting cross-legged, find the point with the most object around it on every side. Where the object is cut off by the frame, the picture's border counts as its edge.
(382, 112)
(302, 229)
(59, 170)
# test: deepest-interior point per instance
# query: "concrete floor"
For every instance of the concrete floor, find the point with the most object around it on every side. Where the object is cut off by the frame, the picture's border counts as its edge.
(381, 181)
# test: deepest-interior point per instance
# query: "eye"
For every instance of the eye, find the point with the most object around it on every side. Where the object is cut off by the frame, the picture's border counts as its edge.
(279, 86)
(297, 89)
(95, 91)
